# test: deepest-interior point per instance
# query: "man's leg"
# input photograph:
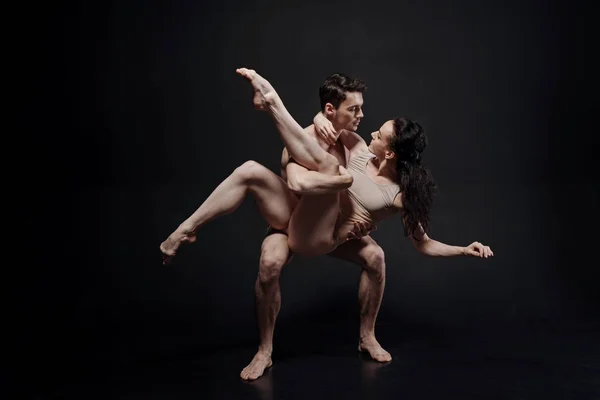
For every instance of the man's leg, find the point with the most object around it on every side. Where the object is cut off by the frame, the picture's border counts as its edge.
(370, 256)
(274, 255)
(274, 199)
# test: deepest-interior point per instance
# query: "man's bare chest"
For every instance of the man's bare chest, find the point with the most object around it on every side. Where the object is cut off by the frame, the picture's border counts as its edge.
(339, 152)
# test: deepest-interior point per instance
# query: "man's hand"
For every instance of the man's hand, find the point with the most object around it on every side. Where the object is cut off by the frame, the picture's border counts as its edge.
(345, 174)
(477, 249)
(360, 229)
(324, 129)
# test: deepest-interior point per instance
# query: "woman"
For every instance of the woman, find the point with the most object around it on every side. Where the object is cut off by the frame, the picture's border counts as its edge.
(383, 178)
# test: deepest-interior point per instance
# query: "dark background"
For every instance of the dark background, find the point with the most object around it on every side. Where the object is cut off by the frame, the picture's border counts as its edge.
(139, 115)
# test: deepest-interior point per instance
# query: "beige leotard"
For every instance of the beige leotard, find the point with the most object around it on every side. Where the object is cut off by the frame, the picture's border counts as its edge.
(366, 200)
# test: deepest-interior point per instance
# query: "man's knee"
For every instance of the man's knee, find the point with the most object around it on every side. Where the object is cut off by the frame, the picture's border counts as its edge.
(375, 261)
(271, 264)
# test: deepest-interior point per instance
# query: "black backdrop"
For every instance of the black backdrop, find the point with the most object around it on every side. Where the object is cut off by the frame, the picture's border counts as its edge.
(140, 115)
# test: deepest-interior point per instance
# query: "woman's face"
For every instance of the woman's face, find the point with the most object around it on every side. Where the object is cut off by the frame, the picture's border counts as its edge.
(381, 140)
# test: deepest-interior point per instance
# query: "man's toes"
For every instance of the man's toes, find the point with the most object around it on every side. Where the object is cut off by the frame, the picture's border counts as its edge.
(254, 375)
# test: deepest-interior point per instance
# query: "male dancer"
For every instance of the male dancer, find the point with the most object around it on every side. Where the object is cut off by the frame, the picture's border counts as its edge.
(341, 100)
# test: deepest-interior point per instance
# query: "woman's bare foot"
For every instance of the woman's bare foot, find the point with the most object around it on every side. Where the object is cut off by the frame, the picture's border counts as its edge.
(170, 246)
(257, 366)
(264, 94)
(370, 345)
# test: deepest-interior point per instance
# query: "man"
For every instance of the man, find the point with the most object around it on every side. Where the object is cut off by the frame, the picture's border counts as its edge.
(341, 102)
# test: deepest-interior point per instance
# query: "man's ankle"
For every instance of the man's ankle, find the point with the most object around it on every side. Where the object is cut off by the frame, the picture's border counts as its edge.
(266, 350)
(367, 336)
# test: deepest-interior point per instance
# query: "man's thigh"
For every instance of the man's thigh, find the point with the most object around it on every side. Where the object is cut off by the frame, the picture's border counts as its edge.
(275, 247)
(357, 251)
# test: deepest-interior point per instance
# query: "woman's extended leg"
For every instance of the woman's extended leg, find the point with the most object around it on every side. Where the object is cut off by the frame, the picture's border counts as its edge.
(312, 226)
(274, 199)
(302, 147)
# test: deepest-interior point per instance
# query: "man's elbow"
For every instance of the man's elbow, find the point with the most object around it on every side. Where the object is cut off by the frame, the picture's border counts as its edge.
(346, 181)
(296, 185)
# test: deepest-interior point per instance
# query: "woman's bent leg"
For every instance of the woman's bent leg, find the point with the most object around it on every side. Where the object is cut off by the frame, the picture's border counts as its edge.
(274, 199)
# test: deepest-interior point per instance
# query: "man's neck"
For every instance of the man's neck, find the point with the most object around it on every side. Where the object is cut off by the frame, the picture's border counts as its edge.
(337, 128)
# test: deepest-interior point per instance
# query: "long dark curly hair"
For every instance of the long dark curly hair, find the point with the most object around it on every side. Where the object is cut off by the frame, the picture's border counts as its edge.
(416, 182)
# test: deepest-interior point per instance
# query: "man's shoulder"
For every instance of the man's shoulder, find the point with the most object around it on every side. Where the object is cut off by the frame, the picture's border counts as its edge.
(311, 130)
(353, 142)
(352, 135)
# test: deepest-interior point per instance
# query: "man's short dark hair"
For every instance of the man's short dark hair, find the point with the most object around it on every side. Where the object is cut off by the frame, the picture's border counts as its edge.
(336, 86)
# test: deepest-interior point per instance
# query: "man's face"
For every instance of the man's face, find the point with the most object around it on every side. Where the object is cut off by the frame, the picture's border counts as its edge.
(381, 139)
(349, 113)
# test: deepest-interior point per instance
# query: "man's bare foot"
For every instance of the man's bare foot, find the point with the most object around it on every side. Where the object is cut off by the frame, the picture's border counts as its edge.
(370, 345)
(257, 366)
(170, 246)
(264, 94)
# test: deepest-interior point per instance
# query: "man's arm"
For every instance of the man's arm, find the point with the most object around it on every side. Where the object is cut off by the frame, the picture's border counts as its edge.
(302, 181)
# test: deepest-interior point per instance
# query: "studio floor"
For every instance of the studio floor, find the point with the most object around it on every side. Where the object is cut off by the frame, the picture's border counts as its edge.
(534, 364)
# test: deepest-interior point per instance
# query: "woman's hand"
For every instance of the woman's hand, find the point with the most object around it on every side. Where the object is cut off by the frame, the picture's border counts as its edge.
(360, 229)
(477, 249)
(324, 129)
